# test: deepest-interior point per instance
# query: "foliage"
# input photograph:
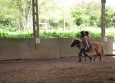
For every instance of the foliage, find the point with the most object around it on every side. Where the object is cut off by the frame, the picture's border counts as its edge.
(87, 14)
(110, 16)
(54, 12)
(15, 13)
(16, 18)
(94, 32)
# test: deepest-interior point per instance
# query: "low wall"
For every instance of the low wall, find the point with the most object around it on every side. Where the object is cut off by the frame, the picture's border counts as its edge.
(47, 48)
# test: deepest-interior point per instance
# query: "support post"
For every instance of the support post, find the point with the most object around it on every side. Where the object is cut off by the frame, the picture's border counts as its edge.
(64, 19)
(103, 18)
(35, 20)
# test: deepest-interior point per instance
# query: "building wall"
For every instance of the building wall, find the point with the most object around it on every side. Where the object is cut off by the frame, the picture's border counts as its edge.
(47, 48)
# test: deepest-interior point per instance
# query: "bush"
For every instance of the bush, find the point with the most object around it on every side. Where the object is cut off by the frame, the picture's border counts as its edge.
(65, 34)
(4, 34)
(55, 34)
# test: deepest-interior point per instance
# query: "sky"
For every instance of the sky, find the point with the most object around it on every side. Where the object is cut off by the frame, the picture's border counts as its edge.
(108, 2)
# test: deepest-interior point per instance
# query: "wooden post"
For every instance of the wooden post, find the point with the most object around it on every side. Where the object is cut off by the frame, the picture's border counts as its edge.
(35, 20)
(103, 18)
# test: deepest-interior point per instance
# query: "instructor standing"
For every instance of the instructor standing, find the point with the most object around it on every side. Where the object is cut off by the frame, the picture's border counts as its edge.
(84, 45)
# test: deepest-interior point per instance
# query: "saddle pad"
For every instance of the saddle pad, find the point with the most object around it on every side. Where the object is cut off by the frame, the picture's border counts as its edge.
(90, 45)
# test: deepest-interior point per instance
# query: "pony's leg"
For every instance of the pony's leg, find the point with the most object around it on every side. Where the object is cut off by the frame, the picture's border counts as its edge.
(96, 54)
(100, 56)
(95, 58)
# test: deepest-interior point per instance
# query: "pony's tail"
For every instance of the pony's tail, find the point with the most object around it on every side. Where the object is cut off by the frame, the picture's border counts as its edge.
(102, 49)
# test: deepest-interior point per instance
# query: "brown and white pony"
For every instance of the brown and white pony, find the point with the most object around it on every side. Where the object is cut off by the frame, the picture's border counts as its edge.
(96, 46)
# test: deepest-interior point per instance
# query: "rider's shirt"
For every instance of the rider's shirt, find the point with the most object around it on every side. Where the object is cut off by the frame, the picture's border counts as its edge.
(88, 39)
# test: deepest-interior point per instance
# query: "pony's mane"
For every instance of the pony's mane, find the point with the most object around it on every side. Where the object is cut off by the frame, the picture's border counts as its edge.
(76, 39)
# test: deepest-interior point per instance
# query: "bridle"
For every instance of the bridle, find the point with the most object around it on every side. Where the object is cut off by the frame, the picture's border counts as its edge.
(78, 45)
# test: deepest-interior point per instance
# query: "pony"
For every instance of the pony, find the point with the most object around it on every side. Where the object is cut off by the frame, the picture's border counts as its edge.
(96, 46)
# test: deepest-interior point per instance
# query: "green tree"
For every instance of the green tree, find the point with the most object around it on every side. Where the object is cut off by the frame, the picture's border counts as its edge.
(54, 12)
(87, 13)
(24, 8)
(110, 16)
(7, 13)
(16, 13)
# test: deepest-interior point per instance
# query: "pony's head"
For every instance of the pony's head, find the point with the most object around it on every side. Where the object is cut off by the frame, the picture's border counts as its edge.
(75, 42)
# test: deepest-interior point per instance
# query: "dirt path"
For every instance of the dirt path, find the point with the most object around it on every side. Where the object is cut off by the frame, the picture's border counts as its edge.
(63, 70)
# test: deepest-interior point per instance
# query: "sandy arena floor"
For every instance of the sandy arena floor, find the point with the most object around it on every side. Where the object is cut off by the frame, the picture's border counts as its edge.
(63, 70)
